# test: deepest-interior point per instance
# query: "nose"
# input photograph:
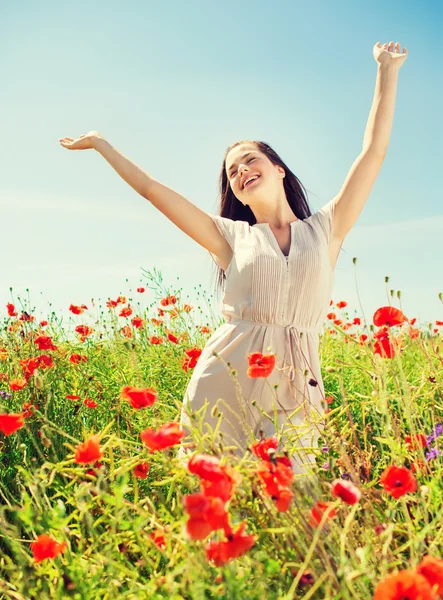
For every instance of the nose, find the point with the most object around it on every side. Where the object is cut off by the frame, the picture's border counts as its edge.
(240, 170)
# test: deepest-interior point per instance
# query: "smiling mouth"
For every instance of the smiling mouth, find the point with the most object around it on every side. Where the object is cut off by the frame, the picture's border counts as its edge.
(251, 182)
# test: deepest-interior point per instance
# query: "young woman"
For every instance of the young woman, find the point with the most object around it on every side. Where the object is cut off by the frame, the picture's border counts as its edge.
(276, 260)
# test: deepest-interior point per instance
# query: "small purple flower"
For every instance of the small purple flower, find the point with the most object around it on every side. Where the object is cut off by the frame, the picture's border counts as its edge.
(326, 465)
(5, 395)
(346, 475)
(435, 434)
(325, 449)
(433, 453)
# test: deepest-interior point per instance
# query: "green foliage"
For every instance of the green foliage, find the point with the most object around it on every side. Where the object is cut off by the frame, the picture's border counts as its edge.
(106, 515)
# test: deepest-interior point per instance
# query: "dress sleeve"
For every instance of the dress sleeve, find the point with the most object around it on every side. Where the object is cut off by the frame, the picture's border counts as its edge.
(325, 217)
(228, 229)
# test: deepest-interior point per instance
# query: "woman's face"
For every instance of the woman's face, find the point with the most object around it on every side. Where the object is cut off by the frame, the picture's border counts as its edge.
(245, 161)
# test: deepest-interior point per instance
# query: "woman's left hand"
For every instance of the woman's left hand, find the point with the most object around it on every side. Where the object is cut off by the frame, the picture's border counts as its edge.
(389, 54)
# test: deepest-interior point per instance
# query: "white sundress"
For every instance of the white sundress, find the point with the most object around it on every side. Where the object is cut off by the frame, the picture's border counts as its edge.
(276, 304)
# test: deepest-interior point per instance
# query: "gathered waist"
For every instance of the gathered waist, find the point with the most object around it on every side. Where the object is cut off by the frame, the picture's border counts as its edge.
(288, 326)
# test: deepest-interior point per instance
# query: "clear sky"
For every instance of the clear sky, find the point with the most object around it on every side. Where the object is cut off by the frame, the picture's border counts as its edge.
(172, 85)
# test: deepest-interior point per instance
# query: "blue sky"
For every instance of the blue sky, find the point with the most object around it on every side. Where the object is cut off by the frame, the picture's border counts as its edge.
(171, 86)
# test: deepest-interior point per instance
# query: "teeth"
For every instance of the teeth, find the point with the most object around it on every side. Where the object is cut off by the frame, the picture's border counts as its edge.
(249, 179)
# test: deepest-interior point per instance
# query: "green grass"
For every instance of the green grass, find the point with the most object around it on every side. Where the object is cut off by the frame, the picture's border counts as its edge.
(106, 519)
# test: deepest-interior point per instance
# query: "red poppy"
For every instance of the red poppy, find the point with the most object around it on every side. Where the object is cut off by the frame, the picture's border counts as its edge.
(280, 473)
(168, 435)
(386, 345)
(11, 310)
(44, 342)
(432, 569)
(17, 384)
(9, 423)
(137, 322)
(263, 448)
(206, 467)
(224, 487)
(236, 545)
(346, 490)
(418, 441)
(260, 365)
(206, 514)
(89, 451)
(78, 310)
(388, 316)
(283, 501)
(77, 358)
(139, 397)
(191, 358)
(141, 470)
(90, 403)
(398, 481)
(46, 547)
(158, 537)
(404, 585)
(84, 331)
(319, 509)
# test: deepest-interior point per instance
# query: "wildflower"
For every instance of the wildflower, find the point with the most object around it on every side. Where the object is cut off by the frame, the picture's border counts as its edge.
(433, 453)
(138, 397)
(432, 569)
(168, 435)
(319, 509)
(438, 430)
(236, 545)
(260, 365)
(89, 451)
(346, 490)
(46, 547)
(84, 331)
(9, 423)
(17, 384)
(158, 538)
(44, 342)
(90, 403)
(77, 310)
(141, 470)
(398, 481)
(206, 467)
(388, 316)
(263, 448)
(77, 358)
(224, 487)
(207, 514)
(191, 359)
(11, 310)
(404, 584)
(418, 441)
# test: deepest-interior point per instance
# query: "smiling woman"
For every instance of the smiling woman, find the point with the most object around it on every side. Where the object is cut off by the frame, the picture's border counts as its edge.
(274, 256)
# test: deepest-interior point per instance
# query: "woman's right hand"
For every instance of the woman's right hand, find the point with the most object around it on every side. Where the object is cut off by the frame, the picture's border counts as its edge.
(83, 142)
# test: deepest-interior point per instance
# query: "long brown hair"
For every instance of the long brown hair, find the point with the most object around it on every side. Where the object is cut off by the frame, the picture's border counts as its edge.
(232, 208)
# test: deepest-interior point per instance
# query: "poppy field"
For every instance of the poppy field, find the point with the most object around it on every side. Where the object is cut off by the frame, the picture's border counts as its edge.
(95, 503)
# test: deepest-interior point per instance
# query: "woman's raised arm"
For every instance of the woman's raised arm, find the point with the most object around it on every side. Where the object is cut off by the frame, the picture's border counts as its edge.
(187, 216)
